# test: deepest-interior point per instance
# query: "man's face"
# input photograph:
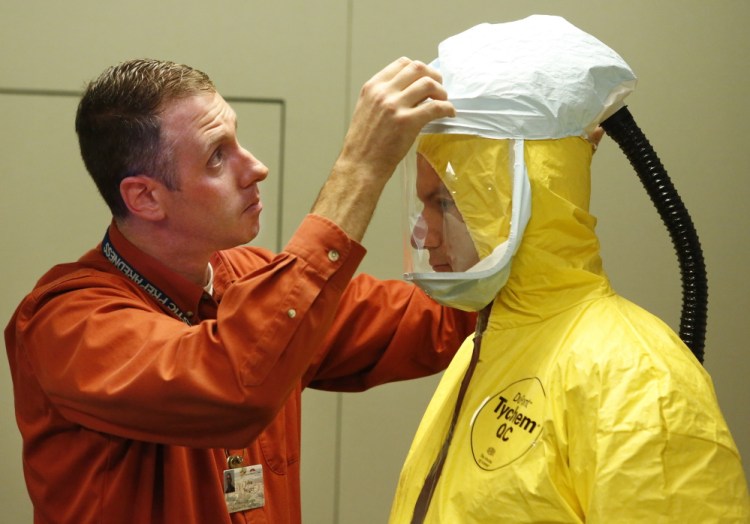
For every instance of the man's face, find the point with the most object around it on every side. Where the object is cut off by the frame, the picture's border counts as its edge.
(217, 205)
(441, 229)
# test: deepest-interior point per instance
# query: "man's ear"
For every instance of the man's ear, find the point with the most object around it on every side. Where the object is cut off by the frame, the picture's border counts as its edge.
(596, 137)
(141, 195)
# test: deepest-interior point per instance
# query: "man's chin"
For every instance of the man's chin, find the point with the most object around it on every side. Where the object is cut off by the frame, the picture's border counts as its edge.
(251, 235)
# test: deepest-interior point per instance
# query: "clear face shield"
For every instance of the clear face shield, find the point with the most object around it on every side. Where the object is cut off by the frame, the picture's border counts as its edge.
(467, 201)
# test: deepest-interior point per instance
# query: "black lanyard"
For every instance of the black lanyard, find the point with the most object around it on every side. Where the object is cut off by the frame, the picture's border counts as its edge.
(111, 254)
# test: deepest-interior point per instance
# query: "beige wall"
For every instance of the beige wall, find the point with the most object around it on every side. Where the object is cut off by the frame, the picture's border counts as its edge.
(688, 54)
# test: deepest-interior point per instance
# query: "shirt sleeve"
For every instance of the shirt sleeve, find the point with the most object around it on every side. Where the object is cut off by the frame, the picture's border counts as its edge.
(386, 331)
(111, 361)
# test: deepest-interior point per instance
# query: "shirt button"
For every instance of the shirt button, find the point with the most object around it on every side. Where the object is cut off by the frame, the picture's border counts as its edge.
(291, 313)
(333, 255)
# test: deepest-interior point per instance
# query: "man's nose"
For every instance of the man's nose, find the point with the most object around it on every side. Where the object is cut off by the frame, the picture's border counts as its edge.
(253, 169)
(419, 234)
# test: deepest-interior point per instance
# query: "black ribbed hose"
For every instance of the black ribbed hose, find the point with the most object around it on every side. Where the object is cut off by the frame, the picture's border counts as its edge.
(625, 132)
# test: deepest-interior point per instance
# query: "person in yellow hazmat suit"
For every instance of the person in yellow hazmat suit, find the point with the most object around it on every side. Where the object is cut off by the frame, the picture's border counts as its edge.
(571, 404)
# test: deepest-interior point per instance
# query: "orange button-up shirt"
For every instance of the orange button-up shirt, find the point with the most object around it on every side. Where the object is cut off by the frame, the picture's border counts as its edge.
(127, 413)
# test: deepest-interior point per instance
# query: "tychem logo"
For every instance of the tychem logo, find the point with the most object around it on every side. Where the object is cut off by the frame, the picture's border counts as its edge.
(508, 424)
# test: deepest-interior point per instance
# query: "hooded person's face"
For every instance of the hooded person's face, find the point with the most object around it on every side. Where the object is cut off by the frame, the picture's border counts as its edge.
(440, 229)
(459, 191)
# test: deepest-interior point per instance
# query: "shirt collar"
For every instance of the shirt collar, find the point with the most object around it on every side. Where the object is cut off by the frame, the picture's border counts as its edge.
(183, 292)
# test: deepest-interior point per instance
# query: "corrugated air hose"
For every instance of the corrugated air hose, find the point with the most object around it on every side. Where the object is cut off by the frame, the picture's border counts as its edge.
(622, 128)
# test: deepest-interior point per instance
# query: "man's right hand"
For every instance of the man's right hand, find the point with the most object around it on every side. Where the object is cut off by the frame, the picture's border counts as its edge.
(392, 108)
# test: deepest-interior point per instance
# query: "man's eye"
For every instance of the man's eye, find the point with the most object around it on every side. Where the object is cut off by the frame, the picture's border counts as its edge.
(446, 204)
(216, 158)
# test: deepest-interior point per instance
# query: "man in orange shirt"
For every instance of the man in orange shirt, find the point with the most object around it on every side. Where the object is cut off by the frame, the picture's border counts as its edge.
(168, 359)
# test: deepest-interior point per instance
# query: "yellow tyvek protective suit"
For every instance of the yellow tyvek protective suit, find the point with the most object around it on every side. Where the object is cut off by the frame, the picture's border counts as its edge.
(582, 407)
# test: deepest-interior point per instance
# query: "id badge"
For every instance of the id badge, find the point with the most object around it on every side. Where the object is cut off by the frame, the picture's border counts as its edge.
(243, 488)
